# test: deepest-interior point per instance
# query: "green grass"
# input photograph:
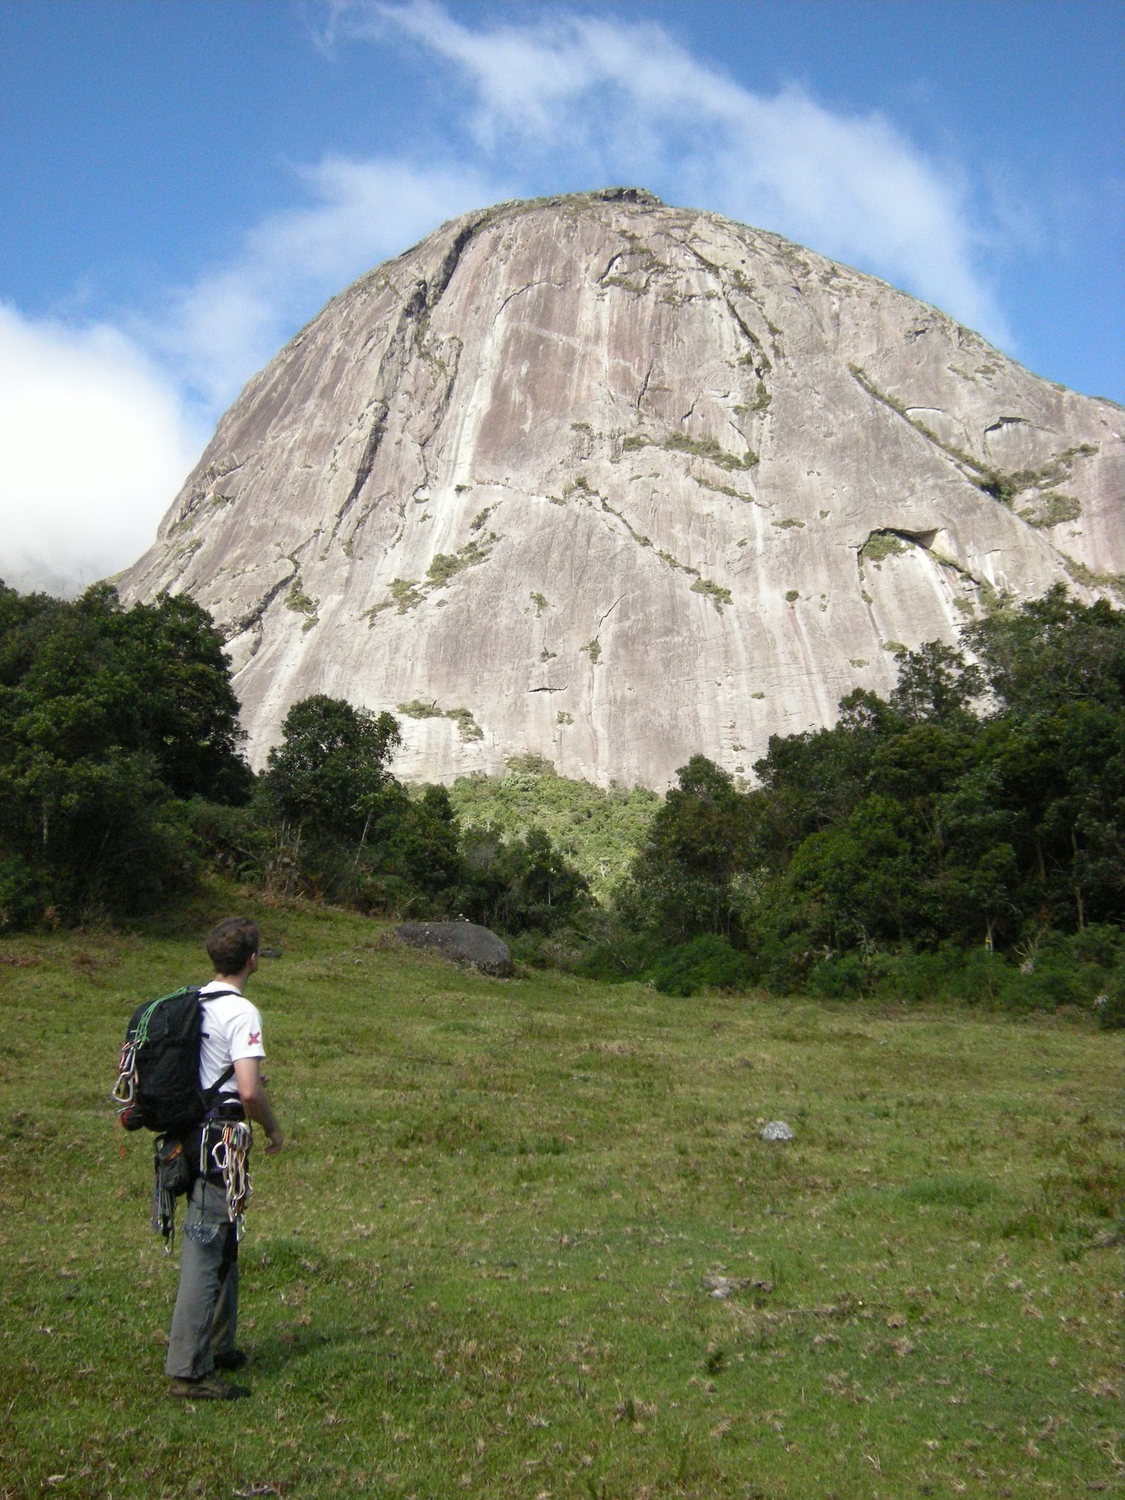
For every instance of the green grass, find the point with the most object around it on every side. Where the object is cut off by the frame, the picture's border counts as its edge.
(486, 1263)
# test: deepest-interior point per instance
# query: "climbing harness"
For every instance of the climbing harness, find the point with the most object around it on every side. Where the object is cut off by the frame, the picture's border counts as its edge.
(224, 1149)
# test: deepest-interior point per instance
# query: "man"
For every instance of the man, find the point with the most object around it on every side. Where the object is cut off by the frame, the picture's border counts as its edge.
(202, 1338)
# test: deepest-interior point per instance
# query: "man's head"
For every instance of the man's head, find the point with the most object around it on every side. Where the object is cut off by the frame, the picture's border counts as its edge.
(232, 944)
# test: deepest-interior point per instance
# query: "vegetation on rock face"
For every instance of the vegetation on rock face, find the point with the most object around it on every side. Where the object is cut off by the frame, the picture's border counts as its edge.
(598, 831)
(298, 601)
(718, 595)
(881, 544)
(467, 726)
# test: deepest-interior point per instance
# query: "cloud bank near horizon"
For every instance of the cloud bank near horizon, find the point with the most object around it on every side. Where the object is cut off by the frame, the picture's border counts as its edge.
(561, 104)
(91, 431)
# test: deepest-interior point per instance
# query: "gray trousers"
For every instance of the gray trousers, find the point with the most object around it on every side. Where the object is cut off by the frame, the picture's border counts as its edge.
(205, 1318)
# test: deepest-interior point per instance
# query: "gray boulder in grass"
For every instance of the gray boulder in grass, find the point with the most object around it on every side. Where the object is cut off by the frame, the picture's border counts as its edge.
(460, 942)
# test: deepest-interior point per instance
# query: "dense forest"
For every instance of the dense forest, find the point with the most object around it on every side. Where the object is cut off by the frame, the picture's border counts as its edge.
(961, 837)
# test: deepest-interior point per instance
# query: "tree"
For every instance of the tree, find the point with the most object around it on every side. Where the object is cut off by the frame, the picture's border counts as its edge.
(520, 885)
(811, 781)
(1051, 651)
(936, 686)
(974, 896)
(415, 851)
(1008, 776)
(343, 827)
(329, 776)
(862, 876)
(108, 717)
(1062, 772)
(682, 883)
(152, 679)
(189, 716)
(1055, 669)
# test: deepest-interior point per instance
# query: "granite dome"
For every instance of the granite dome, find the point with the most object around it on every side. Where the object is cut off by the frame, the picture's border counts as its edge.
(614, 483)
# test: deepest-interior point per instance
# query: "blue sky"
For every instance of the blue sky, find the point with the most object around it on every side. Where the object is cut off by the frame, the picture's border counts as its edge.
(186, 182)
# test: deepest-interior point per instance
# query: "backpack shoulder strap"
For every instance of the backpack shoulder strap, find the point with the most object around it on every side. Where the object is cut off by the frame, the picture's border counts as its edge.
(212, 1093)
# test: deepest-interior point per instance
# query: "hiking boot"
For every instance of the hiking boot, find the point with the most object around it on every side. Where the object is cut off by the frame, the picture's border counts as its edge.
(231, 1359)
(206, 1389)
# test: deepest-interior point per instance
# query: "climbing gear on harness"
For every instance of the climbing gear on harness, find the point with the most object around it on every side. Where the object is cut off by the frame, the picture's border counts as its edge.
(223, 1154)
(172, 1175)
(158, 1071)
(230, 1154)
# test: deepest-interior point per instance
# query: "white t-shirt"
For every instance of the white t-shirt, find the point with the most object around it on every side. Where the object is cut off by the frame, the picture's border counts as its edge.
(232, 1028)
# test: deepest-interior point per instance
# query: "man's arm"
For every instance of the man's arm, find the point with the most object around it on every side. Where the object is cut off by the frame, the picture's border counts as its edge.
(255, 1100)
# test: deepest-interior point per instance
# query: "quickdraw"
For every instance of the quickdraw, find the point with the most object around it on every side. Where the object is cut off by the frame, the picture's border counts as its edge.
(230, 1155)
(124, 1091)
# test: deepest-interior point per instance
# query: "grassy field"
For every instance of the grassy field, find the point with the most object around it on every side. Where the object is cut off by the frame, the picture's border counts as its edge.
(526, 1241)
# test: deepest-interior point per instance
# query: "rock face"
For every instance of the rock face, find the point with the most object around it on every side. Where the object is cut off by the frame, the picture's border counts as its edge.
(615, 483)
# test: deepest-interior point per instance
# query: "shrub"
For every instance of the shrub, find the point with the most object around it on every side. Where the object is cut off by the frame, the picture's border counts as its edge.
(1054, 982)
(844, 976)
(1111, 1008)
(1099, 944)
(986, 978)
(235, 841)
(24, 892)
(780, 961)
(562, 950)
(921, 977)
(618, 959)
(708, 962)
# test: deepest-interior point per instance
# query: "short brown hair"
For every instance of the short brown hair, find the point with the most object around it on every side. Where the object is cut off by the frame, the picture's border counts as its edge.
(232, 943)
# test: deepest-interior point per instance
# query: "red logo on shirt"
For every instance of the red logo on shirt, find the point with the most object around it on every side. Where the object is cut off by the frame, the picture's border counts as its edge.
(254, 1039)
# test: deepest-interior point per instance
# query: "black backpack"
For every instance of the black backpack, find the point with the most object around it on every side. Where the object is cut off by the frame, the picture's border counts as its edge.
(158, 1074)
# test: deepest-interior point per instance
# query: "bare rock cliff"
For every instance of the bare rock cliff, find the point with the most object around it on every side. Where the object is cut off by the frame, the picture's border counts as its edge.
(615, 483)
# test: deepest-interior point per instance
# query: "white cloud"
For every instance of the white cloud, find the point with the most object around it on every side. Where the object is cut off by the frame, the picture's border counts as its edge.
(96, 442)
(223, 328)
(623, 102)
(100, 425)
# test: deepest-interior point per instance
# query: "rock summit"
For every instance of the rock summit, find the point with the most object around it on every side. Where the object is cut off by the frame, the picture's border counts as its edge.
(614, 483)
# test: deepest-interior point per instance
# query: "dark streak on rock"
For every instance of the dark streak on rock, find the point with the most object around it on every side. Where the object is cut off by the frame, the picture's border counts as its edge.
(405, 340)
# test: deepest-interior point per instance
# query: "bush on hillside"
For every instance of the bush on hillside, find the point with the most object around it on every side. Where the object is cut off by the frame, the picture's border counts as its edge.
(709, 962)
(842, 976)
